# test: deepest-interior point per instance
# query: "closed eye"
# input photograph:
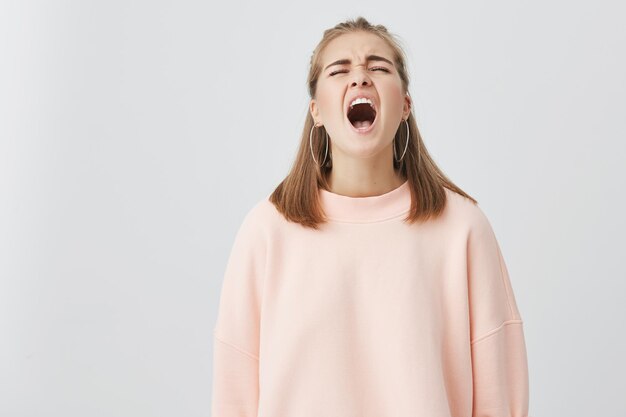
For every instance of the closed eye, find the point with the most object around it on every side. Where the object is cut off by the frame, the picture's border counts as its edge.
(373, 69)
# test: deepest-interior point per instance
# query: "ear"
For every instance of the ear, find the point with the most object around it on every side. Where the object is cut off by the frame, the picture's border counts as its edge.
(314, 112)
(406, 111)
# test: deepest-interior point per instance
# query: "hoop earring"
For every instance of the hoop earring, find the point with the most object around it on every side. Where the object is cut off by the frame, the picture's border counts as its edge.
(311, 145)
(406, 144)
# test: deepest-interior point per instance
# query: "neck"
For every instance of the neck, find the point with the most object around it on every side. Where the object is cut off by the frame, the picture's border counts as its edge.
(366, 209)
(358, 177)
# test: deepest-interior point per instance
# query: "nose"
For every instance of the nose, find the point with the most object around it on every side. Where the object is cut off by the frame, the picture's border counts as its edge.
(361, 78)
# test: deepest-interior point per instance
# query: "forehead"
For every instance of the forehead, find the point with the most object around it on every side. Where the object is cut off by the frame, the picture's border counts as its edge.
(355, 46)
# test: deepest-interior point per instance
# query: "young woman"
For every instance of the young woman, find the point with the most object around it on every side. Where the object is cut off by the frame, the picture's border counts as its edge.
(367, 284)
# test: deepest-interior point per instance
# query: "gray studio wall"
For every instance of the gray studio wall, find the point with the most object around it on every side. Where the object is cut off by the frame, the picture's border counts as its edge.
(134, 137)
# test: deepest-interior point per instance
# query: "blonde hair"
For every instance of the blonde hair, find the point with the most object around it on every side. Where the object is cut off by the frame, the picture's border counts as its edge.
(296, 197)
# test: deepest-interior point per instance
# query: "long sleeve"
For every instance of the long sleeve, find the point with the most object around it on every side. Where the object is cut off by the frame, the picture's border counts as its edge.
(498, 350)
(236, 333)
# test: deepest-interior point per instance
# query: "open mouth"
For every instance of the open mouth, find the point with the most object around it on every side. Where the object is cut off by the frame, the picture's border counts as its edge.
(362, 116)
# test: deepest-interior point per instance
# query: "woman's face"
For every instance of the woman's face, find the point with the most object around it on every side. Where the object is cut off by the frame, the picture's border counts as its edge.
(347, 75)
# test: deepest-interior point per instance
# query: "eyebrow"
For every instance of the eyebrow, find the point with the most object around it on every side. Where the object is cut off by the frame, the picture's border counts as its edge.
(367, 58)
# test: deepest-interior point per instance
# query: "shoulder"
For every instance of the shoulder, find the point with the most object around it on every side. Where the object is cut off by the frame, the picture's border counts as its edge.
(466, 214)
(260, 219)
(262, 212)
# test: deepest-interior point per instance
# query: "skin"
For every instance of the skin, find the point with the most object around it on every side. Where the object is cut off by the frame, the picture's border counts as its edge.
(362, 164)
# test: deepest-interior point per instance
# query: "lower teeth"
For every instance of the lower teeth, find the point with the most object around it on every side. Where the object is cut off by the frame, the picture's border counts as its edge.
(362, 124)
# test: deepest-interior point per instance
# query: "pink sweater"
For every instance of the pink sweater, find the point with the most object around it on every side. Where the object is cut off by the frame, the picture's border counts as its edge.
(368, 316)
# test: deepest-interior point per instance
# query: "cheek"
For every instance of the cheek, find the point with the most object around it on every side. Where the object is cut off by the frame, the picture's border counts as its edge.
(329, 106)
(330, 101)
(395, 95)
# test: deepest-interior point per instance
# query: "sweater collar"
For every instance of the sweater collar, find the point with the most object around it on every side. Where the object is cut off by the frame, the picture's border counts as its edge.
(366, 209)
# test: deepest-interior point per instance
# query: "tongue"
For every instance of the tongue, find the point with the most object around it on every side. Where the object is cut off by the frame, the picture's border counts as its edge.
(362, 124)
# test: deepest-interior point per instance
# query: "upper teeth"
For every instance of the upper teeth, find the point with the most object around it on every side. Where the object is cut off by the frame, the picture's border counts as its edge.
(361, 100)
